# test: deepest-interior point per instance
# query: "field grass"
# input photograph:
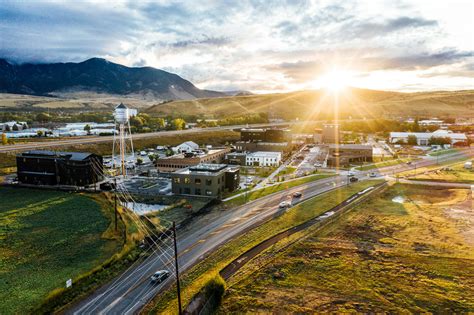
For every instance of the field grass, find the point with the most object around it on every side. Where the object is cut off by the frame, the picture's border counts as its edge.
(455, 173)
(193, 280)
(47, 237)
(442, 152)
(240, 200)
(382, 164)
(314, 104)
(416, 256)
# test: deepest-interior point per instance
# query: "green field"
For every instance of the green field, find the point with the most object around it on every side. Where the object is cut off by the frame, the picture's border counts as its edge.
(193, 280)
(382, 164)
(454, 173)
(46, 238)
(411, 256)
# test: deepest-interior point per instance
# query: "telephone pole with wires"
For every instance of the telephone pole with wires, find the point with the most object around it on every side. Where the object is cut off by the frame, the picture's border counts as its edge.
(180, 310)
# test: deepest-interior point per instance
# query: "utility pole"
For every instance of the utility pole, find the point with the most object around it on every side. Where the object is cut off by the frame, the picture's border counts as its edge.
(115, 201)
(180, 311)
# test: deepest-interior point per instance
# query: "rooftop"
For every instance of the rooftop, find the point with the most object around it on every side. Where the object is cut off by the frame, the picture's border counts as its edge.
(350, 146)
(204, 169)
(75, 156)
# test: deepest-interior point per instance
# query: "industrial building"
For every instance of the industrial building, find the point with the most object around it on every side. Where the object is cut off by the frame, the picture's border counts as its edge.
(59, 168)
(249, 146)
(186, 147)
(346, 154)
(330, 133)
(187, 159)
(423, 138)
(210, 180)
(265, 135)
(236, 158)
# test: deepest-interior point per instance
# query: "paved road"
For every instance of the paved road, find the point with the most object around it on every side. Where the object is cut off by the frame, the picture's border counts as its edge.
(132, 290)
(102, 139)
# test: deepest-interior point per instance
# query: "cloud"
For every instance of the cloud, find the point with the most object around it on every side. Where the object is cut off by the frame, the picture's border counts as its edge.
(250, 45)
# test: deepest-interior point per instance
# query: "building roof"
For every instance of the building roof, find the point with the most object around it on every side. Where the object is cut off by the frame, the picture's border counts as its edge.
(191, 144)
(427, 135)
(121, 105)
(204, 169)
(268, 154)
(350, 146)
(74, 156)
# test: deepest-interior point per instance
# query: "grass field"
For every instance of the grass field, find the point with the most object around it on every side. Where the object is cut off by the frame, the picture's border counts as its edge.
(313, 104)
(195, 279)
(382, 164)
(455, 173)
(442, 152)
(47, 237)
(414, 255)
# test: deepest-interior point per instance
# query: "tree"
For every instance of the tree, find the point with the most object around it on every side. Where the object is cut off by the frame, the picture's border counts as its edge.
(178, 124)
(139, 161)
(39, 133)
(412, 140)
(4, 139)
(88, 129)
(43, 117)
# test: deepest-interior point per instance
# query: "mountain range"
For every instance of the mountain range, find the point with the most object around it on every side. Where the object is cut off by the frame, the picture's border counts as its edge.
(96, 75)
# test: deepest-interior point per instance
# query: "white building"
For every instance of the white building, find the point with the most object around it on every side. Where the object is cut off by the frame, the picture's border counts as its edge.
(263, 158)
(13, 126)
(188, 146)
(423, 138)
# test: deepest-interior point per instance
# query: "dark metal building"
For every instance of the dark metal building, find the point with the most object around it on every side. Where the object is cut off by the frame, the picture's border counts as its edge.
(59, 168)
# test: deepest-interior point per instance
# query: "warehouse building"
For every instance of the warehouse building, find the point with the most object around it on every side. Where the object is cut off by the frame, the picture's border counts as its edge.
(187, 159)
(423, 138)
(59, 168)
(346, 154)
(249, 146)
(209, 180)
(265, 135)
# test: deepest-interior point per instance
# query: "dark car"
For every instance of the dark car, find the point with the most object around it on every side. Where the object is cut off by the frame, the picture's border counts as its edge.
(353, 179)
(297, 194)
(160, 276)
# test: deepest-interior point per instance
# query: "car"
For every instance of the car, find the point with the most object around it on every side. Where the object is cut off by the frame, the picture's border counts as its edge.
(160, 276)
(353, 179)
(297, 194)
(317, 165)
(143, 153)
(373, 174)
(284, 205)
(351, 173)
(409, 163)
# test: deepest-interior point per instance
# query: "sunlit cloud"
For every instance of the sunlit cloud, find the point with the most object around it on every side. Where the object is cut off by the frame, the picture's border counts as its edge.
(261, 46)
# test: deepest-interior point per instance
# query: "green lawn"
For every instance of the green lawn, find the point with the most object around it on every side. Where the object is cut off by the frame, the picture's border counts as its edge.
(413, 256)
(442, 152)
(46, 238)
(196, 278)
(240, 200)
(382, 164)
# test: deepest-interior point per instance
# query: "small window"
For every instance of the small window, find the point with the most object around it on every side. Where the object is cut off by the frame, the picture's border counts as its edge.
(187, 191)
(197, 181)
(187, 180)
(177, 180)
(208, 182)
(197, 191)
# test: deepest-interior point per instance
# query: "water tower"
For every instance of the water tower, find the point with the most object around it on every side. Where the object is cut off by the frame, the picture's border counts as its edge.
(123, 140)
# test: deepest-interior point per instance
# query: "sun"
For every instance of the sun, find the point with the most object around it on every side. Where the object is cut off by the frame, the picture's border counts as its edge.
(335, 80)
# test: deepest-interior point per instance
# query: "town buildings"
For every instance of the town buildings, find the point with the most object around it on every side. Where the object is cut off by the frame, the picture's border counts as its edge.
(209, 180)
(330, 133)
(59, 168)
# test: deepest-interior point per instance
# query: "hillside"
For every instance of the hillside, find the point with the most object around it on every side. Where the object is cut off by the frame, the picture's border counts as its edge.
(356, 103)
(96, 76)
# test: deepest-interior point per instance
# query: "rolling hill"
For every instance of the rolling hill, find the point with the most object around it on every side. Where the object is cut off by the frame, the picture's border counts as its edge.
(96, 76)
(356, 103)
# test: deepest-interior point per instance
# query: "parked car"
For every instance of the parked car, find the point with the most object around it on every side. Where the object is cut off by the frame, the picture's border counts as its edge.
(143, 153)
(297, 194)
(284, 205)
(373, 174)
(353, 179)
(351, 173)
(160, 276)
(409, 163)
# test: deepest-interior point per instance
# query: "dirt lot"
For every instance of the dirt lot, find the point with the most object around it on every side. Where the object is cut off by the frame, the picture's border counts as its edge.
(411, 249)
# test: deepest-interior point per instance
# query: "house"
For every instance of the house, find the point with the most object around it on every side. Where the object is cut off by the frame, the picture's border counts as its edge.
(263, 158)
(209, 180)
(58, 168)
(13, 126)
(423, 138)
(188, 146)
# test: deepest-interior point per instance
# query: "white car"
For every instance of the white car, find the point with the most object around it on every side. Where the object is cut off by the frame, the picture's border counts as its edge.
(284, 204)
(142, 153)
(160, 276)
(373, 174)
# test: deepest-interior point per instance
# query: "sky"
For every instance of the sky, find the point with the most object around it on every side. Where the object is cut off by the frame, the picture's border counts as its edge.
(258, 46)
